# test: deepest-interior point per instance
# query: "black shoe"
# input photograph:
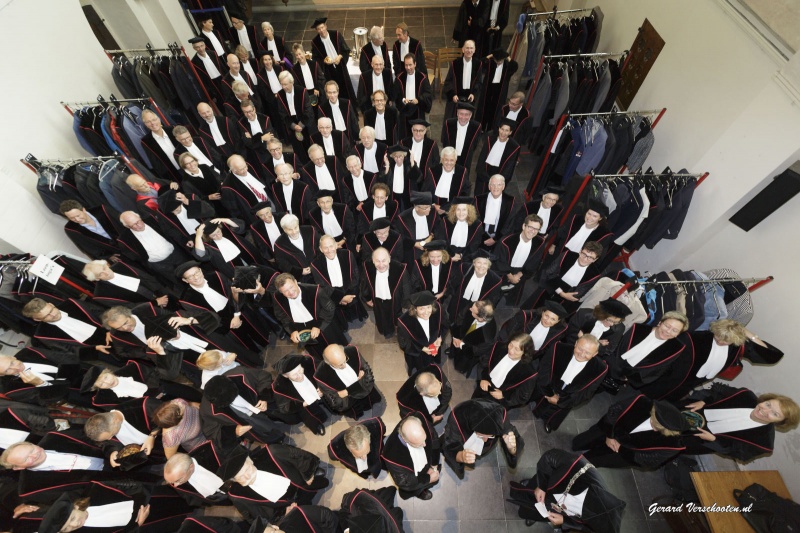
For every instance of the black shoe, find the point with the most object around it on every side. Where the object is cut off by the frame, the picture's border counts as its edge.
(320, 472)
(282, 335)
(547, 428)
(321, 430)
(425, 495)
(529, 522)
(389, 335)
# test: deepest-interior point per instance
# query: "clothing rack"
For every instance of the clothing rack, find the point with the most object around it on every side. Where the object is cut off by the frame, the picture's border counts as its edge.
(757, 283)
(26, 263)
(556, 12)
(71, 107)
(35, 164)
(148, 48)
(534, 184)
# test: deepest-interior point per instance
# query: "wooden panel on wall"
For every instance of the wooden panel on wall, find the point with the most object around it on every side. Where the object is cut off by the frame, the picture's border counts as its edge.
(643, 54)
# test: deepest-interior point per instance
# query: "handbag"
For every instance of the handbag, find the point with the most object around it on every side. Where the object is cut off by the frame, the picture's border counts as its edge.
(768, 512)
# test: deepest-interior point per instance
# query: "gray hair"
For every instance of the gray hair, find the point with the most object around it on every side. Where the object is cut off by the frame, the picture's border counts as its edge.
(92, 268)
(290, 221)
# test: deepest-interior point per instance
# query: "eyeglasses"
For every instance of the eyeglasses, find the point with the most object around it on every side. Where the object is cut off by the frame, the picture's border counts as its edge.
(589, 257)
(536, 228)
(194, 275)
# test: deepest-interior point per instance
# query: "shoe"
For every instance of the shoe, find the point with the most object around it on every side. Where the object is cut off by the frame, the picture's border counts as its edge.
(321, 430)
(506, 288)
(388, 335)
(282, 335)
(425, 495)
(320, 472)
(529, 522)
(547, 428)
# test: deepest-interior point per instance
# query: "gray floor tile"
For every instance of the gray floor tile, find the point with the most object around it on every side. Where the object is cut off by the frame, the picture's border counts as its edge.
(634, 526)
(621, 482)
(659, 526)
(518, 526)
(479, 499)
(482, 526)
(561, 438)
(531, 452)
(435, 526)
(444, 504)
(650, 485)
(507, 476)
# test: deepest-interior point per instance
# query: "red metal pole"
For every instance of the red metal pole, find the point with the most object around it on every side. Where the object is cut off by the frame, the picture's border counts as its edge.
(700, 180)
(760, 284)
(621, 290)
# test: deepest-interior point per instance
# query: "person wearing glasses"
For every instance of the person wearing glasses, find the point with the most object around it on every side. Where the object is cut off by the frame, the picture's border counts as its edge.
(519, 256)
(568, 278)
(382, 118)
(604, 322)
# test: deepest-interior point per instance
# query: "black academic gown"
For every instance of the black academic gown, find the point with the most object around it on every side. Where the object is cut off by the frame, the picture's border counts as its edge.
(414, 47)
(290, 403)
(424, 96)
(583, 321)
(508, 162)
(422, 278)
(490, 290)
(309, 519)
(477, 344)
(368, 52)
(507, 247)
(409, 400)
(504, 225)
(107, 399)
(393, 243)
(339, 72)
(412, 338)
(317, 73)
(49, 336)
(366, 85)
(90, 243)
(265, 245)
(475, 233)
(212, 85)
(391, 120)
(524, 321)
(532, 208)
(248, 253)
(64, 387)
(303, 116)
(208, 455)
(347, 107)
(495, 94)
(161, 163)
(483, 416)
(459, 184)
(239, 199)
(337, 450)
(231, 134)
(400, 465)
(293, 463)
(519, 384)
(471, 21)
(365, 217)
(351, 277)
(219, 424)
(343, 216)
(386, 311)
(301, 200)
(566, 230)
(308, 173)
(365, 508)
(289, 258)
(521, 126)
(551, 279)
(602, 511)
(449, 134)
(580, 390)
(430, 152)
(381, 149)
(317, 299)
(411, 179)
(454, 83)
(405, 224)
(362, 395)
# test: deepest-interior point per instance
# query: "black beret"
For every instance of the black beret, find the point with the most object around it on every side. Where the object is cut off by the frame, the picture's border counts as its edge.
(469, 200)
(397, 148)
(168, 202)
(435, 245)
(554, 189)
(421, 198)
(507, 122)
(89, 378)
(555, 307)
(484, 254)
(323, 193)
(131, 456)
(499, 53)
(262, 53)
(422, 298)
(380, 223)
(158, 326)
(233, 463)
(615, 308)
(670, 416)
(318, 21)
(220, 391)
(466, 105)
(210, 227)
(245, 277)
(195, 40)
(236, 15)
(182, 268)
(259, 206)
(57, 515)
(289, 363)
(597, 207)
(420, 122)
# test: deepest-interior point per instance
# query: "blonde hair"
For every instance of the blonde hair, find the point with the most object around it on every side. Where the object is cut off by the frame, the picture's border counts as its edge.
(472, 213)
(730, 331)
(209, 360)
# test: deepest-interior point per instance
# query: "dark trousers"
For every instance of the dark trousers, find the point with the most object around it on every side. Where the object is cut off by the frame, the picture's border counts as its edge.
(600, 455)
(166, 267)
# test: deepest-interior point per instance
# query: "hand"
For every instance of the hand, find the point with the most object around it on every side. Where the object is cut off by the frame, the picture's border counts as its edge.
(343, 394)
(511, 442)
(247, 135)
(181, 198)
(358, 248)
(262, 405)
(298, 127)
(338, 59)
(144, 512)
(552, 399)
(613, 444)
(190, 244)
(315, 332)
(295, 336)
(230, 358)
(370, 304)
(112, 459)
(426, 350)
(489, 242)
(603, 342)
(174, 185)
(440, 295)
(114, 258)
(437, 418)
(199, 230)
(27, 377)
(456, 257)
(347, 299)
(555, 518)
(455, 99)
(147, 445)
(103, 349)
(552, 249)
(24, 508)
(259, 289)
(540, 494)
(236, 322)
(466, 456)
(470, 98)
(241, 430)
(484, 385)
(360, 374)
(162, 301)
(154, 343)
(457, 343)
(359, 206)
(695, 406)
(215, 196)
(437, 342)
(328, 60)
(705, 435)
(306, 271)
(319, 393)
(569, 296)
(340, 244)
(497, 394)
(433, 474)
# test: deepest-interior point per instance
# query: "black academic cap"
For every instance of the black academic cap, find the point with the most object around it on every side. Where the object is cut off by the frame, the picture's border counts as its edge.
(422, 298)
(499, 53)
(89, 378)
(615, 308)
(397, 148)
(420, 122)
(262, 53)
(507, 122)
(485, 254)
(210, 227)
(487, 418)
(466, 105)
(554, 189)
(670, 416)
(435, 245)
(246, 277)
(288, 363)
(469, 200)
(259, 206)
(380, 223)
(195, 40)
(421, 198)
(57, 515)
(182, 268)
(236, 15)
(555, 307)
(318, 21)
(233, 463)
(597, 207)
(323, 193)
(131, 456)
(220, 391)
(168, 202)
(158, 326)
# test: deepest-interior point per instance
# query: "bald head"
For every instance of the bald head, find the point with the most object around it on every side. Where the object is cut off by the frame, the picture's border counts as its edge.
(334, 355)
(412, 432)
(131, 219)
(233, 63)
(178, 469)
(205, 111)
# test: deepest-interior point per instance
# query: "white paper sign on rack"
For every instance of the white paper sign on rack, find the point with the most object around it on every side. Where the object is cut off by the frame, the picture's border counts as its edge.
(47, 269)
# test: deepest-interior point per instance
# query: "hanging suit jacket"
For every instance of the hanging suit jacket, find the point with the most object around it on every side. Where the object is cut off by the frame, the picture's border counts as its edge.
(337, 450)
(409, 400)
(414, 47)
(90, 243)
(520, 381)
(449, 135)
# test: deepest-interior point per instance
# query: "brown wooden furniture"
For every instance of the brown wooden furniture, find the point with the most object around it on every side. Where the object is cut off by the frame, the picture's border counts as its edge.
(717, 488)
(445, 55)
(430, 64)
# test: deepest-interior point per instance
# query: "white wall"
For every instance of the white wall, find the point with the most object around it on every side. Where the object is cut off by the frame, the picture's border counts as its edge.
(731, 111)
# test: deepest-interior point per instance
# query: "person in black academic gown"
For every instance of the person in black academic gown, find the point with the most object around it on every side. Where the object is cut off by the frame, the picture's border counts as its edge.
(405, 44)
(40, 376)
(498, 154)
(604, 321)
(474, 429)
(271, 478)
(593, 221)
(329, 48)
(74, 326)
(344, 282)
(345, 105)
(432, 271)
(297, 394)
(446, 181)
(463, 230)
(496, 84)
(427, 392)
(294, 108)
(473, 337)
(375, 73)
(634, 432)
(519, 256)
(295, 250)
(302, 519)
(474, 281)
(221, 243)
(95, 239)
(346, 381)
(546, 206)
(371, 511)
(423, 151)
(418, 225)
(471, 21)
(380, 235)
(568, 376)
(727, 431)
(413, 95)
(333, 219)
(193, 476)
(359, 447)
(377, 111)
(384, 288)
(502, 216)
(308, 72)
(291, 195)
(420, 331)
(325, 173)
(463, 118)
(130, 423)
(461, 88)
(412, 457)
(508, 374)
(265, 230)
(592, 507)
(545, 325)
